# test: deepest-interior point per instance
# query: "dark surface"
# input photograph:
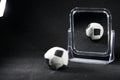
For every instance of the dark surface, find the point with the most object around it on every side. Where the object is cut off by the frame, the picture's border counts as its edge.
(30, 27)
(33, 67)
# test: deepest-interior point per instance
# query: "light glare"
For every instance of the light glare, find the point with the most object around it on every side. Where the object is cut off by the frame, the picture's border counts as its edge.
(2, 7)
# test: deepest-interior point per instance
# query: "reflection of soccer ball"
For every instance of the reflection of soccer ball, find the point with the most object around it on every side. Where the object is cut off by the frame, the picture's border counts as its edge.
(56, 58)
(94, 31)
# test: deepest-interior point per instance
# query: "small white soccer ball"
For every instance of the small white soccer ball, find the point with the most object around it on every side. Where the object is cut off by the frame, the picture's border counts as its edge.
(56, 58)
(95, 31)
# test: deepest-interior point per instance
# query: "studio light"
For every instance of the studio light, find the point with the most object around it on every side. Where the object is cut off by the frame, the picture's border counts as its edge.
(2, 7)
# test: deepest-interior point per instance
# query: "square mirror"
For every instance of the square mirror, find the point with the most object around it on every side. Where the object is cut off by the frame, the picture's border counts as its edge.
(90, 36)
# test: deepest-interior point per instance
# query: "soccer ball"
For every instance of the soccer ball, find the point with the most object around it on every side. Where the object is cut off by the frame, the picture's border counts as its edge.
(56, 58)
(94, 31)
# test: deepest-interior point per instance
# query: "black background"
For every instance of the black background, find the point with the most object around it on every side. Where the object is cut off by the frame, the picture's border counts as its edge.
(30, 27)
(40, 25)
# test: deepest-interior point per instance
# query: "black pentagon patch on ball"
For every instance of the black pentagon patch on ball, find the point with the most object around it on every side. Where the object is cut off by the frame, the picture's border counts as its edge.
(47, 61)
(59, 53)
(96, 31)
